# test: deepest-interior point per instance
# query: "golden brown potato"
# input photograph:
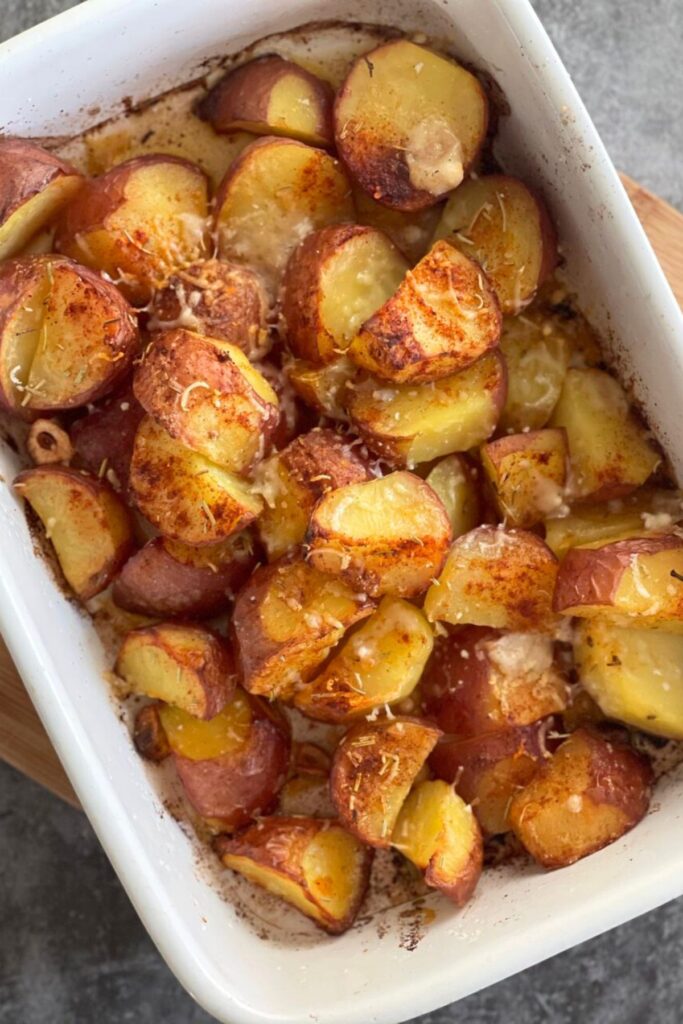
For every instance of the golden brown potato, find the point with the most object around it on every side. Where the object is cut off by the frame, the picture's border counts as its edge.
(286, 620)
(47, 443)
(496, 577)
(320, 869)
(454, 480)
(322, 387)
(34, 186)
(188, 666)
(505, 226)
(149, 737)
(206, 394)
(443, 317)
(527, 474)
(274, 194)
(412, 231)
(537, 355)
(438, 832)
(187, 497)
(66, 336)
(138, 223)
(271, 96)
(293, 480)
(480, 680)
(380, 663)
(216, 299)
(307, 790)
(335, 280)
(590, 793)
(167, 579)
(373, 769)
(412, 423)
(384, 536)
(409, 124)
(610, 451)
(103, 439)
(637, 581)
(89, 526)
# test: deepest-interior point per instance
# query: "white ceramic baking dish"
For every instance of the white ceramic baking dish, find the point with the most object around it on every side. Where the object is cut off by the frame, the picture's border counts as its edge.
(51, 78)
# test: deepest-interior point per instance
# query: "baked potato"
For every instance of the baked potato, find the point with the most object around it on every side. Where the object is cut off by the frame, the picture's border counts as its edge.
(323, 388)
(412, 231)
(103, 439)
(149, 737)
(455, 480)
(527, 474)
(537, 354)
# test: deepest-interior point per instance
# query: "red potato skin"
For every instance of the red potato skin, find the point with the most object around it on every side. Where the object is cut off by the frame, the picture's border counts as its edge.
(149, 737)
(460, 891)
(109, 433)
(25, 170)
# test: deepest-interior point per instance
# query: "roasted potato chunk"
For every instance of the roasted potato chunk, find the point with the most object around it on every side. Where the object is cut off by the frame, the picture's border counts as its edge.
(412, 423)
(188, 666)
(537, 357)
(411, 231)
(207, 395)
(187, 497)
(590, 793)
(496, 577)
(438, 832)
(88, 525)
(66, 336)
(286, 620)
(103, 439)
(409, 124)
(271, 96)
(373, 769)
(442, 318)
(322, 387)
(307, 790)
(384, 536)
(335, 280)
(293, 480)
(527, 474)
(380, 663)
(149, 737)
(454, 480)
(320, 869)
(610, 451)
(505, 226)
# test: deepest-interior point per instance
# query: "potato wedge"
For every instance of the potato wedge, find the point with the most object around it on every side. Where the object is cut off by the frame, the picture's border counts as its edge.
(271, 96)
(322, 388)
(636, 582)
(34, 186)
(409, 124)
(537, 357)
(335, 280)
(373, 769)
(67, 337)
(454, 480)
(216, 299)
(286, 620)
(480, 680)
(610, 451)
(590, 793)
(380, 663)
(441, 319)
(319, 868)
(149, 737)
(167, 579)
(187, 497)
(383, 536)
(412, 423)
(438, 832)
(274, 194)
(103, 439)
(89, 527)
(206, 394)
(496, 577)
(527, 474)
(138, 223)
(188, 666)
(411, 231)
(293, 480)
(505, 226)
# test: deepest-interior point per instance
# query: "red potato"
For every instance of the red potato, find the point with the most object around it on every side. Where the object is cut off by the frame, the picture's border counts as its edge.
(589, 794)
(409, 124)
(411, 231)
(527, 474)
(537, 349)
(233, 766)
(271, 96)
(138, 223)
(89, 527)
(103, 439)
(149, 737)
(505, 226)
(168, 579)
(187, 666)
(480, 680)
(441, 319)
(67, 337)
(322, 387)
(317, 867)
(496, 577)
(206, 394)
(383, 536)
(34, 186)
(455, 481)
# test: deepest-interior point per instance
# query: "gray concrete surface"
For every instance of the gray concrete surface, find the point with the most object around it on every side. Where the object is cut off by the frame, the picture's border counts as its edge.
(71, 948)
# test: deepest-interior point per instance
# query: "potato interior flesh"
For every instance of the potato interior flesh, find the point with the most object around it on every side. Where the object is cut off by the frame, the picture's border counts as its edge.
(362, 510)
(332, 869)
(39, 210)
(537, 362)
(434, 822)
(22, 336)
(225, 733)
(452, 482)
(294, 109)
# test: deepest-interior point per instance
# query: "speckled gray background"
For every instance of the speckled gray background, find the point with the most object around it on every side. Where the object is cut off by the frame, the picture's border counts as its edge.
(71, 948)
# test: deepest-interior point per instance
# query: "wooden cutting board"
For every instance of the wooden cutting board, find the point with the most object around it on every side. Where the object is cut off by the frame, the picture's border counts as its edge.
(23, 741)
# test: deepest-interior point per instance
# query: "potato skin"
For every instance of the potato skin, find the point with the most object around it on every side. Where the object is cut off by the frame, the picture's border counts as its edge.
(149, 737)
(105, 437)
